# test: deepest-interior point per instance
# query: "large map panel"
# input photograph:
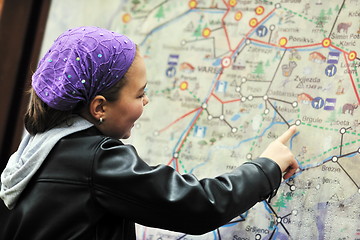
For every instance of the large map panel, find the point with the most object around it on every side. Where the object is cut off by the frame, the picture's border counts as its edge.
(225, 78)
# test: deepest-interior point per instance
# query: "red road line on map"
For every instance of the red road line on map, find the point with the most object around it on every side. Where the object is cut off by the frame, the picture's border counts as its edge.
(250, 31)
(351, 78)
(197, 117)
(217, 98)
(170, 161)
(223, 24)
(240, 42)
(233, 50)
(231, 101)
(304, 46)
(188, 131)
(271, 12)
(224, 102)
(176, 163)
(246, 36)
(183, 116)
(341, 50)
(274, 45)
(213, 89)
(265, 43)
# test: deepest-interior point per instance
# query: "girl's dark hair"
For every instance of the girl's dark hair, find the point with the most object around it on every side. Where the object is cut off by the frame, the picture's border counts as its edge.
(39, 117)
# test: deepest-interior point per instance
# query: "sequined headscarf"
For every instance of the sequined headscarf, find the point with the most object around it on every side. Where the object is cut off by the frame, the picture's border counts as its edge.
(81, 63)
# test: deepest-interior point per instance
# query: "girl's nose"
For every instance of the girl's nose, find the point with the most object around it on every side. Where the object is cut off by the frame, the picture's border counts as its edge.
(145, 100)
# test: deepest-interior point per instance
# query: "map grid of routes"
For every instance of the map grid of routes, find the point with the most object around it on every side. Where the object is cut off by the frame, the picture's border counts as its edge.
(227, 77)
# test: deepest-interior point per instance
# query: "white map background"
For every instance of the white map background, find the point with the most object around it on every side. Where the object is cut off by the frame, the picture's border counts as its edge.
(225, 78)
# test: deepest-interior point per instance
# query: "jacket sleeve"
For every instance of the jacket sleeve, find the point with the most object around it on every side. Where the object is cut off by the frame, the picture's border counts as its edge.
(161, 197)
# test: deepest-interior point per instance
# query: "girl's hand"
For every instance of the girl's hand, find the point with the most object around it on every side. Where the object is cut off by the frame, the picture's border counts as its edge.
(281, 154)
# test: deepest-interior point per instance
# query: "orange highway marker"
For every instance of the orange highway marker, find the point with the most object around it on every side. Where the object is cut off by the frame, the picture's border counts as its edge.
(126, 18)
(232, 3)
(206, 32)
(238, 16)
(326, 42)
(184, 85)
(259, 10)
(352, 55)
(253, 22)
(193, 4)
(283, 41)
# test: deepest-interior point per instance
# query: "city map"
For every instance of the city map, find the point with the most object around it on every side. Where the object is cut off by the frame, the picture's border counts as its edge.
(227, 77)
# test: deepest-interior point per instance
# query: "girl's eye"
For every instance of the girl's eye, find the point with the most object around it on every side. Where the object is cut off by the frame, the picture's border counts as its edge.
(142, 95)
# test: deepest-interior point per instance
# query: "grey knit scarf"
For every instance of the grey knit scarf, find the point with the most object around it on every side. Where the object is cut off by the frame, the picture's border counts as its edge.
(31, 153)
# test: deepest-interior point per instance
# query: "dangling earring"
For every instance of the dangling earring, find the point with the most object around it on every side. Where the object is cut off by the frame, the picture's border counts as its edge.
(101, 120)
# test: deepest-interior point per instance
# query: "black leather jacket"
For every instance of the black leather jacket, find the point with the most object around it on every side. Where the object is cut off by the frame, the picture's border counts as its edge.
(94, 187)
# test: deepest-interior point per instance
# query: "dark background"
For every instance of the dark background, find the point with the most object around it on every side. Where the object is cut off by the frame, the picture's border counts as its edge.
(22, 26)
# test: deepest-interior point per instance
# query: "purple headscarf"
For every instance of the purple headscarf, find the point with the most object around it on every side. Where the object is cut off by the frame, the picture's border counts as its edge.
(80, 64)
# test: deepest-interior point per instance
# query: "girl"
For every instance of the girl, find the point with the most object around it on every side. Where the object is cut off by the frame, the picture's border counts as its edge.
(71, 178)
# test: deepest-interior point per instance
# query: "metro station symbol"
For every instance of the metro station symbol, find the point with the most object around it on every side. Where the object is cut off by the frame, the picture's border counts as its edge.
(200, 131)
(330, 70)
(333, 57)
(221, 86)
(328, 104)
(173, 61)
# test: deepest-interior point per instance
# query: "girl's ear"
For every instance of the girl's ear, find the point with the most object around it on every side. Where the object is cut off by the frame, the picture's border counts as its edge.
(96, 107)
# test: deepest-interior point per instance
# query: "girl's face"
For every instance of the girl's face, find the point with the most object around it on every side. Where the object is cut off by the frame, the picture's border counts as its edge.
(121, 115)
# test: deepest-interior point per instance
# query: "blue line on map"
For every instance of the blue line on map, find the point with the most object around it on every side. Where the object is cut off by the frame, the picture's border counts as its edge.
(229, 225)
(211, 86)
(316, 164)
(197, 166)
(352, 155)
(216, 75)
(263, 45)
(291, 140)
(197, 113)
(238, 145)
(241, 142)
(254, 30)
(266, 206)
(242, 217)
(237, 50)
(305, 167)
(240, 46)
(308, 49)
(186, 129)
(276, 232)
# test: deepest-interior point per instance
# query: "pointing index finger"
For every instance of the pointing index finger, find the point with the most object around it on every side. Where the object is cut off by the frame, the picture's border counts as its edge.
(285, 137)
